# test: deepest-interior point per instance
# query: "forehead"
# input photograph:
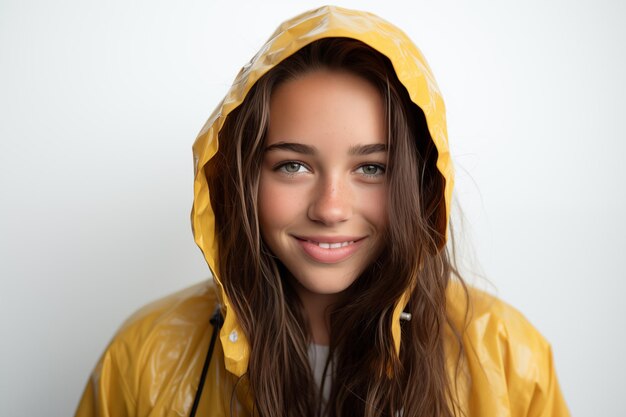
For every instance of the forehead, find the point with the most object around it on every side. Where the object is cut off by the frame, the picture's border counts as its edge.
(327, 104)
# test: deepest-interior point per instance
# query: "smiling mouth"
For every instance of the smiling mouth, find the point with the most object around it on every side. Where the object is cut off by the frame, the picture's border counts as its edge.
(322, 251)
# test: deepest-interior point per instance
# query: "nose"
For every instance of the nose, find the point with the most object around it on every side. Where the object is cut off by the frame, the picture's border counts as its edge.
(331, 202)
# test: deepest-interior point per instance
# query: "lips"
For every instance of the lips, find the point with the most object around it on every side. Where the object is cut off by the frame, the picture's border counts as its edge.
(329, 250)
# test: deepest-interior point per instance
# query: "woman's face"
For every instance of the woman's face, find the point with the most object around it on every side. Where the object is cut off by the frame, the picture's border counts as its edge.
(322, 193)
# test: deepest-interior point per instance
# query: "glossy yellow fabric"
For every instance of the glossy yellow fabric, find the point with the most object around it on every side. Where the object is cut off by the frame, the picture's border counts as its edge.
(153, 365)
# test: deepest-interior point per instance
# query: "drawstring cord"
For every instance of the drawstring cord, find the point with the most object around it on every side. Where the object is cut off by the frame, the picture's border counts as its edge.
(216, 321)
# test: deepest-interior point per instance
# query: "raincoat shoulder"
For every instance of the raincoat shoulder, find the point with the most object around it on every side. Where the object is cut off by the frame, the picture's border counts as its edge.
(152, 366)
(507, 367)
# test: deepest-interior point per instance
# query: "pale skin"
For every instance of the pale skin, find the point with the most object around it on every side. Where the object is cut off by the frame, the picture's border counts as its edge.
(322, 191)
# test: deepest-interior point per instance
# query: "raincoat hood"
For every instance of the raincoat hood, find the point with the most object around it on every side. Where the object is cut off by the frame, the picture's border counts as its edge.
(329, 21)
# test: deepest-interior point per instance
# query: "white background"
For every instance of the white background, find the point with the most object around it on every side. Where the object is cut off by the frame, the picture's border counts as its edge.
(101, 101)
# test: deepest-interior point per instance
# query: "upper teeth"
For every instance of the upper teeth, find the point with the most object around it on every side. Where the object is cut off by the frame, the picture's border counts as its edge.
(333, 245)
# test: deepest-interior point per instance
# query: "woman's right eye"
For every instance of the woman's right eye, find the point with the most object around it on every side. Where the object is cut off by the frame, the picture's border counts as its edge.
(292, 167)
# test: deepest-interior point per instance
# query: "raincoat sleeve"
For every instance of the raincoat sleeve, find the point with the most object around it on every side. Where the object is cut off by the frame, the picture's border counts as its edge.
(547, 400)
(107, 392)
(510, 363)
(529, 370)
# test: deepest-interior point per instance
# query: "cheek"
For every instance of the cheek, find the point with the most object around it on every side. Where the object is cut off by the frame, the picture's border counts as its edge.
(277, 206)
(373, 206)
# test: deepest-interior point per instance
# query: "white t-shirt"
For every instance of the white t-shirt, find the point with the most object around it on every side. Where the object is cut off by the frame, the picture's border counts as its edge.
(318, 354)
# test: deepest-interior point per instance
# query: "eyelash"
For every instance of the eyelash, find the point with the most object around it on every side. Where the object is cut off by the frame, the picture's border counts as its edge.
(282, 168)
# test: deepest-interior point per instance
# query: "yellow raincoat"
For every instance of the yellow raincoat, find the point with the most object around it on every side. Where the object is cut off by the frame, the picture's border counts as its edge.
(153, 365)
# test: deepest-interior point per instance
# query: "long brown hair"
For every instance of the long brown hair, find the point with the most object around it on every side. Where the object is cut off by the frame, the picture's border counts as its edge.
(368, 377)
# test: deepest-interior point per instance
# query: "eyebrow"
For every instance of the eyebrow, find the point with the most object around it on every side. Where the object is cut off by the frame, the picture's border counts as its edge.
(357, 150)
(360, 150)
(293, 147)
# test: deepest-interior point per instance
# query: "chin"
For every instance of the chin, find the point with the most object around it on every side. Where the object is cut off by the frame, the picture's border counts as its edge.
(328, 285)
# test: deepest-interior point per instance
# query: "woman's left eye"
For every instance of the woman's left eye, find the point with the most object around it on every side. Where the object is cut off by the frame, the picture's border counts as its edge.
(371, 170)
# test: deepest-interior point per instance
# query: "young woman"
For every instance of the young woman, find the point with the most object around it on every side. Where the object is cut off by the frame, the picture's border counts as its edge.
(323, 184)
